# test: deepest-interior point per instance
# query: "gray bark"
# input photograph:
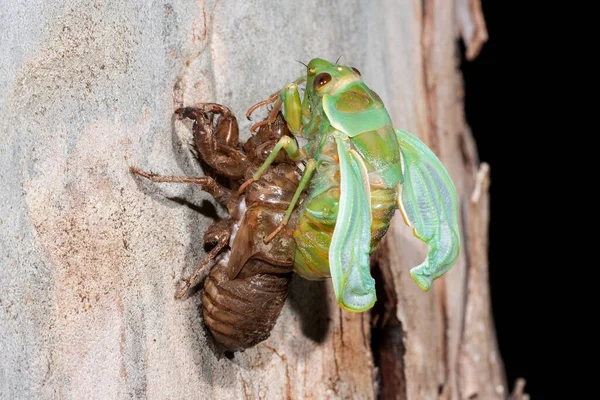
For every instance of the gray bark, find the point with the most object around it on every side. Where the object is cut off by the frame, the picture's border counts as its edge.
(90, 259)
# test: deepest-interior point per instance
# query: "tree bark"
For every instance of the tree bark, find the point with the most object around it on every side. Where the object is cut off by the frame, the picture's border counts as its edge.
(90, 258)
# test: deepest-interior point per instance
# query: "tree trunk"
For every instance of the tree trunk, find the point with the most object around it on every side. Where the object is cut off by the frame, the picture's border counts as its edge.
(91, 259)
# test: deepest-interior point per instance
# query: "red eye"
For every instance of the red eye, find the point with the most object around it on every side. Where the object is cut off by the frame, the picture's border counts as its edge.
(355, 70)
(321, 80)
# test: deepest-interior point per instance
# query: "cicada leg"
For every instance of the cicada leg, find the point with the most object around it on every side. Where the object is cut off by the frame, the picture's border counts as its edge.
(274, 98)
(271, 99)
(270, 118)
(289, 145)
(222, 233)
(227, 131)
(311, 166)
(289, 98)
(217, 142)
(206, 183)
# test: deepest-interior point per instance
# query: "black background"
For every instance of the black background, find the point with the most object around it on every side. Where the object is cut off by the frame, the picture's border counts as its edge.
(501, 111)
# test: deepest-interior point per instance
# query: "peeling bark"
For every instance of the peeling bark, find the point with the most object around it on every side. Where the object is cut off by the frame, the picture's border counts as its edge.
(472, 27)
(519, 391)
(451, 327)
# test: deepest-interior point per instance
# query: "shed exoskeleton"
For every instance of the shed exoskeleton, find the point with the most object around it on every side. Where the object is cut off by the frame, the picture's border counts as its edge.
(249, 278)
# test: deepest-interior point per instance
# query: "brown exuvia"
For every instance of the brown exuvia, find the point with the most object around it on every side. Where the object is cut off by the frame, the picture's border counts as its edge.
(248, 284)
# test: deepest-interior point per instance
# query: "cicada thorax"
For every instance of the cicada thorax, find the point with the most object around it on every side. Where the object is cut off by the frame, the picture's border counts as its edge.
(319, 212)
(266, 202)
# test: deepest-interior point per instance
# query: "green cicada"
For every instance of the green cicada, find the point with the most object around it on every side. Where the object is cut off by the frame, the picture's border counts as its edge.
(358, 170)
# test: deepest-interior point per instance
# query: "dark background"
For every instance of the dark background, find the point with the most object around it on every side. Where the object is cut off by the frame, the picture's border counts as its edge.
(500, 109)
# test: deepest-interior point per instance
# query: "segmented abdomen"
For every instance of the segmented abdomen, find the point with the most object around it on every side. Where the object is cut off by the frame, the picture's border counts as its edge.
(242, 312)
(317, 222)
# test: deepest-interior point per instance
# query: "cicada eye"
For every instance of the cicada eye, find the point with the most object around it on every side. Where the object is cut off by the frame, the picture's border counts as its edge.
(355, 70)
(321, 80)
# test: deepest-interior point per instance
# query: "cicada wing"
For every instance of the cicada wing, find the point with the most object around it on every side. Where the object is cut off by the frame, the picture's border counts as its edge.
(428, 202)
(350, 244)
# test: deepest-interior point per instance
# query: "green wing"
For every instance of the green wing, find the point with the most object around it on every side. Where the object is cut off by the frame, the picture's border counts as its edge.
(428, 202)
(349, 250)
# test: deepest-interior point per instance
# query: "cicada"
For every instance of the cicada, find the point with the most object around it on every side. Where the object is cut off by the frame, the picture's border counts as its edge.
(358, 170)
(247, 286)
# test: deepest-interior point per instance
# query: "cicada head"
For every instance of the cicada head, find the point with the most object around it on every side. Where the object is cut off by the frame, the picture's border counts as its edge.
(324, 77)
